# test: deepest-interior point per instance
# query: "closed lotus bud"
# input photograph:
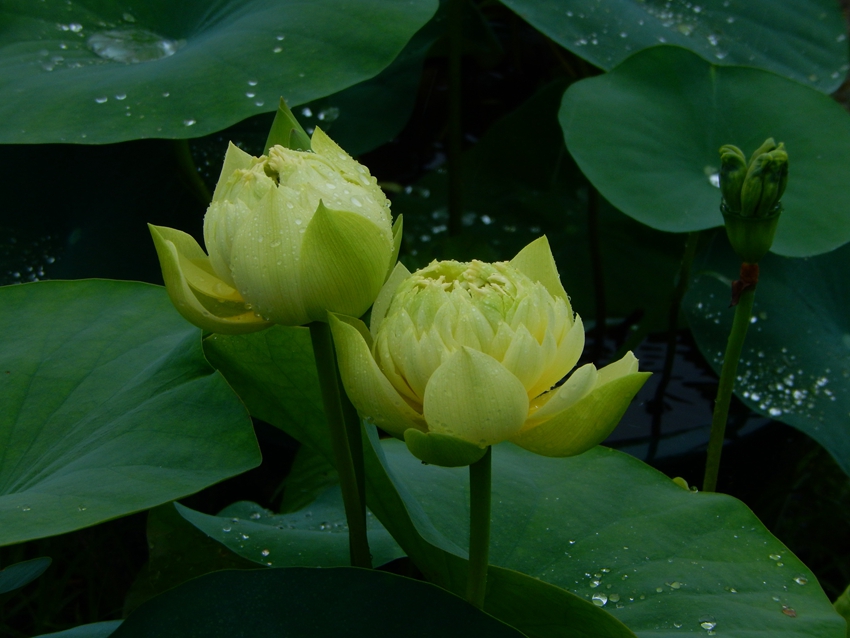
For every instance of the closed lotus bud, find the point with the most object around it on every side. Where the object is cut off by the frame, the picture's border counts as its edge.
(461, 356)
(751, 204)
(291, 235)
(733, 170)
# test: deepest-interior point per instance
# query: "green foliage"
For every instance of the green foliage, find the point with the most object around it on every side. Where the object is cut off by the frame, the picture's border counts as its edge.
(15, 576)
(796, 361)
(674, 111)
(799, 39)
(178, 71)
(308, 602)
(316, 536)
(110, 407)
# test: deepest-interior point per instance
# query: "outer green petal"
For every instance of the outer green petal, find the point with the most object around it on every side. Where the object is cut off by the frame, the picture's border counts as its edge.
(344, 260)
(441, 449)
(573, 390)
(264, 261)
(234, 159)
(473, 397)
(536, 262)
(174, 247)
(382, 303)
(585, 423)
(369, 390)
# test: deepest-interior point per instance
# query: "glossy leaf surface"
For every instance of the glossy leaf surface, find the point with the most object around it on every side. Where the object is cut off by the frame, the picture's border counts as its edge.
(109, 407)
(800, 39)
(674, 111)
(611, 529)
(316, 536)
(309, 602)
(96, 72)
(795, 366)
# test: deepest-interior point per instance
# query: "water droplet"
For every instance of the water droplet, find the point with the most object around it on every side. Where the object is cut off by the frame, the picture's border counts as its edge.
(226, 528)
(659, 590)
(775, 557)
(25, 508)
(101, 100)
(356, 202)
(614, 598)
(128, 17)
(307, 112)
(259, 103)
(572, 542)
(265, 552)
(277, 49)
(121, 96)
(82, 508)
(677, 625)
(788, 611)
(707, 622)
(132, 46)
(329, 114)
(801, 580)
(599, 599)
(252, 83)
(594, 584)
(249, 94)
(188, 122)
(298, 222)
(674, 585)
(166, 94)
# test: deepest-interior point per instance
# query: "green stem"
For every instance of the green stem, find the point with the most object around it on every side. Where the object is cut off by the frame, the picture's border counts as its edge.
(455, 131)
(596, 271)
(679, 289)
(479, 529)
(355, 512)
(743, 313)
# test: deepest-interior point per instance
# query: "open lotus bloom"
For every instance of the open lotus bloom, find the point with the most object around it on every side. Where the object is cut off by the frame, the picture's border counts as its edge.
(460, 356)
(290, 236)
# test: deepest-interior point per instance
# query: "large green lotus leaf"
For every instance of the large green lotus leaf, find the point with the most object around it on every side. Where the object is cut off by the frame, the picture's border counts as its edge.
(274, 372)
(340, 601)
(109, 407)
(609, 528)
(800, 39)
(316, 536)
(94, 71)
(673, 111)
(371, 113)
(795, 366)
(514, 191)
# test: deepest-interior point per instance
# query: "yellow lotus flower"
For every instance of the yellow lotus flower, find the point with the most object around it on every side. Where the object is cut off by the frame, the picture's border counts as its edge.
(290, 236)
(461, 356)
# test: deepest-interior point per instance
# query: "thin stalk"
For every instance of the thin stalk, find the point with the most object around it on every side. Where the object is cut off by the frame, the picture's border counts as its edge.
(354, 432)
(479, 529)
(679, 290)
(743, 313)
(596, 270)
(455, 131)
(355, 512)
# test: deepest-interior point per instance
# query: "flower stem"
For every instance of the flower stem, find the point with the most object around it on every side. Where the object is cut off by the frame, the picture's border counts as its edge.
(455, 131)
(743, 312)
(596, 271)
(355, 509)
(479, 529)
(680, 287)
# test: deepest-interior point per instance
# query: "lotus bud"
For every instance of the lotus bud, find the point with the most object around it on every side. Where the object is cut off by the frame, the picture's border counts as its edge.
(751, 203)
(461, 356)
(291, 235)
